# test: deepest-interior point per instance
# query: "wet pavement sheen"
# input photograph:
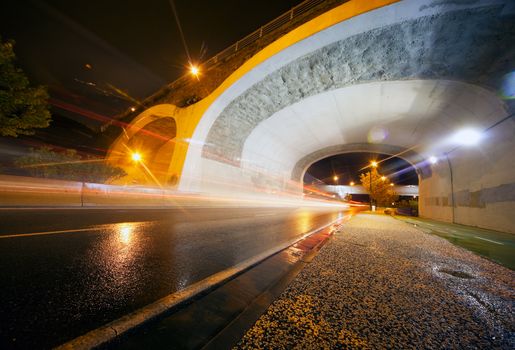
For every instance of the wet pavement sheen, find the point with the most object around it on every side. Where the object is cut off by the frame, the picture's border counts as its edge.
(102, 264)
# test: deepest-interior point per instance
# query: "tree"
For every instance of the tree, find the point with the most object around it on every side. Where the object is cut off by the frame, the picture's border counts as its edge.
(68, 165)
(380, 191)
(22, 107)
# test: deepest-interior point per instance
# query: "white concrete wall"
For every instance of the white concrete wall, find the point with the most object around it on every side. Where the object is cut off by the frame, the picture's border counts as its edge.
(483, 181)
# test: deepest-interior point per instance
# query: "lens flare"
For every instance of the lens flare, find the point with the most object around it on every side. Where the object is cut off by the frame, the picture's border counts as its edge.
(507, 90)
(467, 137)
(377, 134)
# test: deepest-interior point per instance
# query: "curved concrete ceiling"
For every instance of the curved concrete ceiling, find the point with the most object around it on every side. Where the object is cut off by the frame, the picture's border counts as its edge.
(466, 44)
(417, 115)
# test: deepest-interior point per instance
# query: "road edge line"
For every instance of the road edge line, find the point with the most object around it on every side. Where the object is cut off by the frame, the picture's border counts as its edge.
(256, 308)
(116, 328)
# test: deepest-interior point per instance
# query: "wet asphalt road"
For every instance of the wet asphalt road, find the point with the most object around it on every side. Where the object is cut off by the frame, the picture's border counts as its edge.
(65, 272)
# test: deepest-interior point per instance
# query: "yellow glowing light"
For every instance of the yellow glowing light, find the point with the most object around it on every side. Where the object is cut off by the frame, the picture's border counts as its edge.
(125, 232)
(373, 164)
(383, 178)
(335, 178)
(352, 183)
(391, 184)
(133, 109)
(136, 157)
(194, 70)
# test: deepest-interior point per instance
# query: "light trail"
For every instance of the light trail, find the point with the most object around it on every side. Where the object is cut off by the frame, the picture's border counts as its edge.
(51, 232)
(63, 163)
(488, 240)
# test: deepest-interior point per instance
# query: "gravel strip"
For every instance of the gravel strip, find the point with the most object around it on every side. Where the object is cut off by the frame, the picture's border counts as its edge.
(381, 283)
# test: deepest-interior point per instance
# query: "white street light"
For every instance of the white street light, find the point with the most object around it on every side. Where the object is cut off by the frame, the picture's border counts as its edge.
(467, 137)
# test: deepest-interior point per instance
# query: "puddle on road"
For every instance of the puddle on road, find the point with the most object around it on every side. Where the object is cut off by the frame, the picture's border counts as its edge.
(455, 273)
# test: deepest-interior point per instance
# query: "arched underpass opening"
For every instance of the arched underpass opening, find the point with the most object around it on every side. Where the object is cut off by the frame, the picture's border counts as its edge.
(155, 144)
(346, 177)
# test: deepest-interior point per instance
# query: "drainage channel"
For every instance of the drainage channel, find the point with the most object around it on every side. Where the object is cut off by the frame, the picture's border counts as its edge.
(210, 311)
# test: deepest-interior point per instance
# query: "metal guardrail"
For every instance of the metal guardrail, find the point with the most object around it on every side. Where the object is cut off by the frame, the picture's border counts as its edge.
(283, 19)
(287, 17)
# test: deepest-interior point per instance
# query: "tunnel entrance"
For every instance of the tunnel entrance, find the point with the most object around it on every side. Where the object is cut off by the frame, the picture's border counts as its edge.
(346, 177)
(155, 142)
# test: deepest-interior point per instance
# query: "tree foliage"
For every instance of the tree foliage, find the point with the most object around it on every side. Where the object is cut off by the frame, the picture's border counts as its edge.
(68, 165)
(380, 191)
(22, 107)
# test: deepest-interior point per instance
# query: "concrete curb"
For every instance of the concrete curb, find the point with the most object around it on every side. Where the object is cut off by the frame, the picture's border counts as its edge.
(110, 331)
(231, 333)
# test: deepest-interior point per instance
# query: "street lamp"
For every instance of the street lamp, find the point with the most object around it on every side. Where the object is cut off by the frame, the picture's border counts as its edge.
(194, 70)
(373, 164)
(383, 178)
(352, 183)
(335, 178)
(136, 157)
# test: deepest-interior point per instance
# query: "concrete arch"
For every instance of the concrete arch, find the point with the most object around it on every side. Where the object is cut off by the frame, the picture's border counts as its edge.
(436, 51)
(387, 117)
(418, 69)
(153, 135)
(416, 160)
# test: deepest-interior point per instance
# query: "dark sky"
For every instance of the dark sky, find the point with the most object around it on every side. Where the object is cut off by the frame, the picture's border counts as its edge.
(348, 167)
(130, 46)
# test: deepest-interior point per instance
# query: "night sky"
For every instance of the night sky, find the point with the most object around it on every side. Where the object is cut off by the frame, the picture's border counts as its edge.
(97, 57)
(348, 167)
(85, 51)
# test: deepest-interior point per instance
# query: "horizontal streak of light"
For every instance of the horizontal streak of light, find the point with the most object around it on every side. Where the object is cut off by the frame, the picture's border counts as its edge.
(95, 116)
(64, 163)
(488, 240)
(51, 232)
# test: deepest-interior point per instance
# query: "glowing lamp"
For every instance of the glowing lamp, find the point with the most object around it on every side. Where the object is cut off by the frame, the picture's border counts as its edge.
(467, 137)
(194, 70)
(136, 157)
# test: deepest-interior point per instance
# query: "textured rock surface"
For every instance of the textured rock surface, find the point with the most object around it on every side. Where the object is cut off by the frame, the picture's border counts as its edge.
(473, 45)
(383, 284)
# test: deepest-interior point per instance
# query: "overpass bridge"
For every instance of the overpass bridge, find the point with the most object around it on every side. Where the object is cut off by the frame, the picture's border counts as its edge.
(399, 78)
(342, 190)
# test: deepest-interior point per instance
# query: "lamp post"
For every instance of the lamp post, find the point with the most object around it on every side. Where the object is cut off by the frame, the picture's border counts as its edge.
(373, 164)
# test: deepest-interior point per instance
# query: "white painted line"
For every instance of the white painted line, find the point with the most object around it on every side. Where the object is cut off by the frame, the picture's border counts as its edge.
(488, 240)
(52, 232)
(125, 323)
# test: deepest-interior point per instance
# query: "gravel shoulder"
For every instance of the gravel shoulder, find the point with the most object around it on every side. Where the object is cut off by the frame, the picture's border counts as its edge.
(381, 283)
